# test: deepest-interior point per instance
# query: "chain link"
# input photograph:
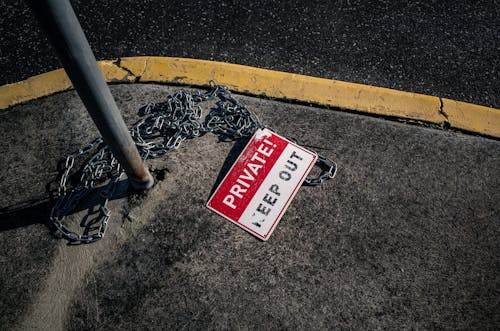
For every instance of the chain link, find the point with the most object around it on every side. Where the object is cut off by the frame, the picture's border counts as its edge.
(162, 129)
(328, 171)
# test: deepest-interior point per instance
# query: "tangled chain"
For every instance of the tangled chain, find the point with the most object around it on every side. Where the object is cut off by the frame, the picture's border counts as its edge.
(162, 128)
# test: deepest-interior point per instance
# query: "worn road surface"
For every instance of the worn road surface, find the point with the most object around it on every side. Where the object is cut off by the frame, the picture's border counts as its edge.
(438, 47)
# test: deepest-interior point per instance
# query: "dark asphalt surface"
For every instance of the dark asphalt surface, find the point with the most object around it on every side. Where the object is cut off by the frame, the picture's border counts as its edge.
(445, 48)
(405, 237)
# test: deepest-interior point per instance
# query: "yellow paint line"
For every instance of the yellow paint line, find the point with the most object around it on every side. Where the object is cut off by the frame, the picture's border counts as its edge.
(282, 85)
(33, 88)
(275, 84)
(53, 82)
(471, 117)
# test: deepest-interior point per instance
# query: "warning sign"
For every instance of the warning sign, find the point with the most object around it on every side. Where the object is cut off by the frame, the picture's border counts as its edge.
(262, 182)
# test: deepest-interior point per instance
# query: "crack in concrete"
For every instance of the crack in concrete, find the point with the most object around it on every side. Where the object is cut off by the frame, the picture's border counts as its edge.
(129, 72)
(146, 63)
(137, 77)
(446, 122)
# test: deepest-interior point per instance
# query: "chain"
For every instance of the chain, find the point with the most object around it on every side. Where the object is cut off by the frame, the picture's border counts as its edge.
(162, 129)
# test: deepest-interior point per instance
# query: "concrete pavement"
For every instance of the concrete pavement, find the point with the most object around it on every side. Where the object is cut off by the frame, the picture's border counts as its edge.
(406, 236)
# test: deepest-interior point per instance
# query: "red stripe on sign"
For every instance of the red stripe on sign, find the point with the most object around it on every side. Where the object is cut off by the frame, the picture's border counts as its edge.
(247, 174)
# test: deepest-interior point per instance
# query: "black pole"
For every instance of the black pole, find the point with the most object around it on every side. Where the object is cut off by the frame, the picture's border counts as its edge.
(59, 21)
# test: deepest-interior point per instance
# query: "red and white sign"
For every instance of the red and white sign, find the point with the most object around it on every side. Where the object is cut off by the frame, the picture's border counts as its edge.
(262, 182)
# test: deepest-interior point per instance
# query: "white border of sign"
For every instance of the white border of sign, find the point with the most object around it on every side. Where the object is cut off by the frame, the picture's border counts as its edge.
(285, 206)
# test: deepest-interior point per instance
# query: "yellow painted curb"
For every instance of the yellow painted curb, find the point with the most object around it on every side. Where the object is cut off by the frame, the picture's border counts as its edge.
(284, 85)
(470, 117)
(275, 84)
(53, 82)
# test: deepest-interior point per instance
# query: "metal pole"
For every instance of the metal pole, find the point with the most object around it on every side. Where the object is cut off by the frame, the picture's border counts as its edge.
(66, 35)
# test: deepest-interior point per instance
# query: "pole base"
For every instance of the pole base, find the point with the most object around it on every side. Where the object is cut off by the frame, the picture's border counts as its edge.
(142, 184)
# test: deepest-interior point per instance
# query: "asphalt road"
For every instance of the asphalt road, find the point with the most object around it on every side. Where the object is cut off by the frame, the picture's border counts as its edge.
(445, 48)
